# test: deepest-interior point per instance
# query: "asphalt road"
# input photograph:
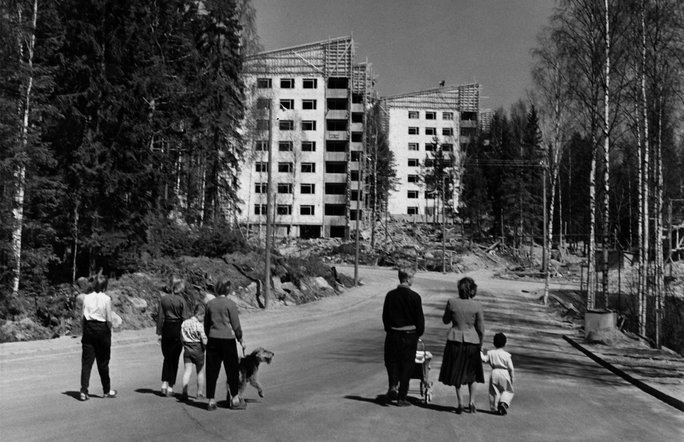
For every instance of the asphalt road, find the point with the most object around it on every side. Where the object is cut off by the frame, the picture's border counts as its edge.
(326, 377)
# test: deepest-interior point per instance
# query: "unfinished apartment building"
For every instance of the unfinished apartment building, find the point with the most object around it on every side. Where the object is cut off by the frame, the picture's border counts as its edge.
(306, 110)
(415, 122)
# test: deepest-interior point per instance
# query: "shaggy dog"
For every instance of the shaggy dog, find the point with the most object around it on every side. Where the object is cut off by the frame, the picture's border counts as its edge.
(249, 367)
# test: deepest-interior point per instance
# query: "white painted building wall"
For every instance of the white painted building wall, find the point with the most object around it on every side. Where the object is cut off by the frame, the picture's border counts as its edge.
(250, 177)
(405, 196)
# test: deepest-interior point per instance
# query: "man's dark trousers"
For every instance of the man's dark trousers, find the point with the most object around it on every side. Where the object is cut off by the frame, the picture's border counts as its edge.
(400, 356)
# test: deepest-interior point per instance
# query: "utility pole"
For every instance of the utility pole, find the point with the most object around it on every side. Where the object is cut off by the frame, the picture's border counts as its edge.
(269, 207)
(545, 261)
(443, 225)
(360, 190)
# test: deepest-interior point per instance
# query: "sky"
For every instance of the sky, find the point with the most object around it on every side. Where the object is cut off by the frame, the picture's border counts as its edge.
(414, 44)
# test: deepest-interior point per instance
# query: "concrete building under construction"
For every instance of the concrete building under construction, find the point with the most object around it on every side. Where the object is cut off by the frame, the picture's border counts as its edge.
(306, 110)
(417, 124)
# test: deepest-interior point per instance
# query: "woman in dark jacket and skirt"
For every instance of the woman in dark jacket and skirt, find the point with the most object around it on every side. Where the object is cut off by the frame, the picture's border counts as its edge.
(461, 364)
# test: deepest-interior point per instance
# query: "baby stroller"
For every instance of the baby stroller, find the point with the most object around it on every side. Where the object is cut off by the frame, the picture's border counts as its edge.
(421, 370)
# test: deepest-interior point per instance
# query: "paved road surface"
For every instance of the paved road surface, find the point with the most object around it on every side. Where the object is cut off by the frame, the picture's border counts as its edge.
(326, 376)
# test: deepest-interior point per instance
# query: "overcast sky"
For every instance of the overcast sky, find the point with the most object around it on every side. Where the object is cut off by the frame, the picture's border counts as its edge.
(414, 44)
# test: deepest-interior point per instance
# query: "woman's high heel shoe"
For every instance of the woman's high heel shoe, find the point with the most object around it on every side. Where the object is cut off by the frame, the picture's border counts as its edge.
(472, 408)
(459, 409)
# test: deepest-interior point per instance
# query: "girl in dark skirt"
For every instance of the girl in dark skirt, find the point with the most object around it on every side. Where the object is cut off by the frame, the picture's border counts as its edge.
(461, 364)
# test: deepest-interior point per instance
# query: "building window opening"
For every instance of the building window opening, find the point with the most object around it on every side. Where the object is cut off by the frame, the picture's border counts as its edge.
(262, 103)
(285, 146)
(284, 188)
(412, 130)
(306, 210)
(264, 83)
(307, 189)
(286, 104)
(430, 115)
(335, 167)
(336, 125)
(335, 146)
(286, 125)
(309, 125)
(308, 146)
(338, 83)
(335, 209)
(287, 83)
(285, 167)
(337, 104)
(335, 188)
(413, 115)
(284, 209)
(310, 83)
(308, 167)
(308, 104)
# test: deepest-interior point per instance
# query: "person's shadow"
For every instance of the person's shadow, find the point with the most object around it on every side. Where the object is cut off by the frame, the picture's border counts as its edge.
(191, 402)
(73, 394)
(150, 391)
(384, 401)
(77, 395)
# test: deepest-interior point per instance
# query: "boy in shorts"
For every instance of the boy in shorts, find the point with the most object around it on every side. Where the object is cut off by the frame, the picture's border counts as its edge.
(194, 341)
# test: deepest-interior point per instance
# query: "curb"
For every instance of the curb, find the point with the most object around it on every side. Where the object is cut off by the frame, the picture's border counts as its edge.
(672, 401)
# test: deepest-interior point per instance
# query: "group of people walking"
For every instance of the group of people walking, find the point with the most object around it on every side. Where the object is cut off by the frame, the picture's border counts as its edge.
(210, 331)
(462, 361)
(201, 331)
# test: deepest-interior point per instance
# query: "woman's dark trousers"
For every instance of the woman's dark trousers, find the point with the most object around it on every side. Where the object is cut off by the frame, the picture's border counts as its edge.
(96, 344)
(172, 346)
(222, 350)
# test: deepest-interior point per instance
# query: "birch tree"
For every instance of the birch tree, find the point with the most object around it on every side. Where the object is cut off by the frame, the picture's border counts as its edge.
(551, 94)
(25, 35)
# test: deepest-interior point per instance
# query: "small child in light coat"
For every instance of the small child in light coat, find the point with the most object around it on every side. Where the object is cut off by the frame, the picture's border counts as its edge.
(194, 342)
(502, 377)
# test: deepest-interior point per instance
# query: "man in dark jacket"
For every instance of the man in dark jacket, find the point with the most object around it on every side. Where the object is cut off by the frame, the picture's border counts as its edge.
(402, 317)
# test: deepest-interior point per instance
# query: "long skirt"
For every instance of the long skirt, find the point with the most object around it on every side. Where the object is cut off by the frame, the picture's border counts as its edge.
(461, 364)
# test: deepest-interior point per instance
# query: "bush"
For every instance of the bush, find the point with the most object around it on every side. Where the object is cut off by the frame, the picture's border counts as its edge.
(217, 241)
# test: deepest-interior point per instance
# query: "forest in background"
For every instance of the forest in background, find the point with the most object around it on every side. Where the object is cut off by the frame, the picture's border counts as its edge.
(120, 137)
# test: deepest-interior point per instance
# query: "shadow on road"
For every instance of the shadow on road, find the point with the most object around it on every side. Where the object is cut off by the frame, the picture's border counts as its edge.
(149, 391)
(380, 399)
(73, 394)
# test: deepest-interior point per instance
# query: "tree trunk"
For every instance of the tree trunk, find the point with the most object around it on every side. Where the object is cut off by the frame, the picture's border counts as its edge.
(20, 169)
(606, 161)
(591, 268)
(644, 253)
(658, 227)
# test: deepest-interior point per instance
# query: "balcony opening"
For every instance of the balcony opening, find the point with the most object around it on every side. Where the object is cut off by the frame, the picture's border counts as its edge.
(338, 83)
